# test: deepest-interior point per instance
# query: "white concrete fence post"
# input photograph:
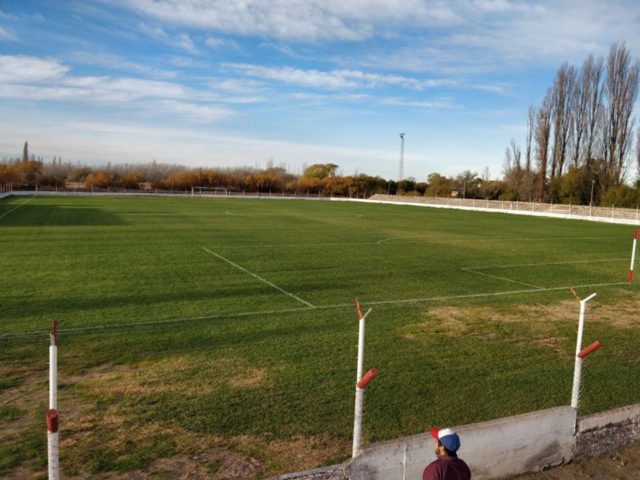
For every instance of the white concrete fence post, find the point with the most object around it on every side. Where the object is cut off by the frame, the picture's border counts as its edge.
(636, 233)
(580, 354)
(361, 382)
(51, 417)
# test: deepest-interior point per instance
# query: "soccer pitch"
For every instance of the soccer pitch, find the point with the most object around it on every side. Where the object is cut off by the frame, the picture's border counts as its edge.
(192, 326)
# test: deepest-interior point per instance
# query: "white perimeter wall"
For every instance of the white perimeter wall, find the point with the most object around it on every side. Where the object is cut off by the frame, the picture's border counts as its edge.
(423, 202)
(494, 449)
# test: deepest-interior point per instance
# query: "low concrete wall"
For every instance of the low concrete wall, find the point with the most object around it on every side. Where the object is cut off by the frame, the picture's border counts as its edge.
(493, 449)
(623, 216)
(608, 431)
(4, 195)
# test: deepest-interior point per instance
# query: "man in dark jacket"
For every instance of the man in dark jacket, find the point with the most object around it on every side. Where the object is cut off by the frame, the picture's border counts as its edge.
(448, 466)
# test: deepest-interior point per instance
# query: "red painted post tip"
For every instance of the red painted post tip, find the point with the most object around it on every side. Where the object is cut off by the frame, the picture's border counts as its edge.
(370, 375)
(636, 233)
(590, 349)
(358, 309)
(630, 276)
(54, 333)
(52, 420)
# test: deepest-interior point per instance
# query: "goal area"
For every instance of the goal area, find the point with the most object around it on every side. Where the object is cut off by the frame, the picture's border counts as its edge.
(208, 191)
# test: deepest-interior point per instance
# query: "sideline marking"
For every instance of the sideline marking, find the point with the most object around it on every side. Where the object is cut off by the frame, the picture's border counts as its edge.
(449, 238)
(15, 208)
(501, 278)
(480, 295)
(300, 309)
(259, 277)
(544, 264)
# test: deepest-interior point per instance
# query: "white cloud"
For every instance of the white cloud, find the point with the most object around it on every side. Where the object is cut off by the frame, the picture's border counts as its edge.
(491, 35)
(336, 79)
(196, 112)
(7, 34)
(218, 43)
(299, 19)
(20, 68)
(441, 103)
(237, 85)
(434, 104)
(118, 62)
(181, 40)
(30, 78)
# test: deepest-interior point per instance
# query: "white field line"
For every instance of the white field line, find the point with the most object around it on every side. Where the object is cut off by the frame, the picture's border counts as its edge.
(480, 240)
(544, 264)
(259, 278)
(15, 208)
(501, 278)
(480, 295)
(221, 316)
(402, 240)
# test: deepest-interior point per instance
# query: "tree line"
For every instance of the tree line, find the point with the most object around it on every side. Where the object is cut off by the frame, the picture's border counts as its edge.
(579, 141)
(33, 172)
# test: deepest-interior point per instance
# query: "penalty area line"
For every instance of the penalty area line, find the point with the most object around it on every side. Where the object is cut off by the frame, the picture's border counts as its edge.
(264, 280)
(491, 294)
(222, 316)
(485, 267)
(505, 279)
(15, 208)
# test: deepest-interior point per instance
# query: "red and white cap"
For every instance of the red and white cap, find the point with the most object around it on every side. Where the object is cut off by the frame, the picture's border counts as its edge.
(447, 437)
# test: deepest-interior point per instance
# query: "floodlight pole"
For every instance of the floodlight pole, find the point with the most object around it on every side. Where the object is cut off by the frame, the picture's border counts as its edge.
(575, 394)
(401, 169)
(361, 382)
(51, 417)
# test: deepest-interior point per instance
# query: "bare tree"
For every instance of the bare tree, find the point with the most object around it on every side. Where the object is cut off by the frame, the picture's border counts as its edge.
(563, 90)
(591, 81)
(512, 169)
(579, 117)
(531, 120)
(638, 151)
(542, 133)
(621, 89)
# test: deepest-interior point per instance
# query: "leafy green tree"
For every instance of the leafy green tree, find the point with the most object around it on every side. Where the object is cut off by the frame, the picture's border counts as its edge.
(575, 186)
(320, 170)
(439, 185)
(621, 196)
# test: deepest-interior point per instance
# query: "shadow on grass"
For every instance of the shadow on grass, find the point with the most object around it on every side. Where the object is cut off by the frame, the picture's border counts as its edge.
(33, 215)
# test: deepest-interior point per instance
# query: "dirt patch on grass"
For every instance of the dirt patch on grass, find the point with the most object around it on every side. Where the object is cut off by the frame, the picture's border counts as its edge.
(621, 315)
(30, 389)
(250, 378)
(200, 462)
(23, 473)
(451, 322)
(218, 463)
(295, 454)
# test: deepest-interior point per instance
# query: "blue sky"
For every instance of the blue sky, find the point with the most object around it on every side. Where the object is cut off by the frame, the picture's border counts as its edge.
(234, 83)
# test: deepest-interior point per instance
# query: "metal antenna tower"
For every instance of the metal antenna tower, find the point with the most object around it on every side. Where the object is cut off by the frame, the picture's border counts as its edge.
(401, 172)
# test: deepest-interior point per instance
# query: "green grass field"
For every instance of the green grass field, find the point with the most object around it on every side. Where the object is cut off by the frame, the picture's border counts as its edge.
(220, 333)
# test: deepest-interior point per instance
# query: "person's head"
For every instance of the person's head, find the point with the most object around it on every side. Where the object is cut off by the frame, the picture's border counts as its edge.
(447, 442)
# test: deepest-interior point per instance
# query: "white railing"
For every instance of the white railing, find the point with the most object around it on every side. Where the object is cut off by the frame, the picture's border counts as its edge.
(580, 212)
